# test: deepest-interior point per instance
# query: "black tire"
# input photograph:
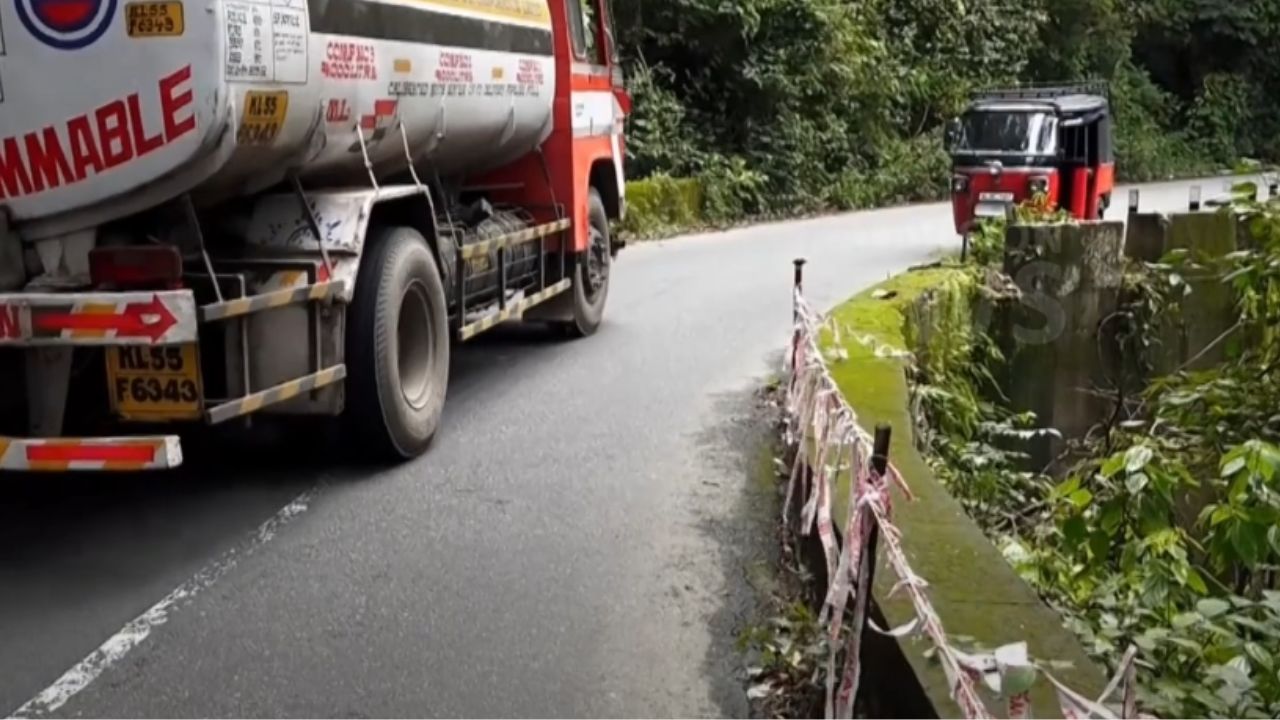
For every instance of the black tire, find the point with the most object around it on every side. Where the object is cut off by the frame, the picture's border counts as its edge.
(397, 346)
(591, 272)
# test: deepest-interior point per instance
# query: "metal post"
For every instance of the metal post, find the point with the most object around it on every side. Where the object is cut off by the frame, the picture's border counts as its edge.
(862, 603)
(1134, 196)
(313, 222)
(880, 464)
(796, 284)
(1193, 200)
(460, 278)
(193, 219)
(502, 278)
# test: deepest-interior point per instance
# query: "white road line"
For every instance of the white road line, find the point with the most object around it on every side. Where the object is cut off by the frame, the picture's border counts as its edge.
(136, 631)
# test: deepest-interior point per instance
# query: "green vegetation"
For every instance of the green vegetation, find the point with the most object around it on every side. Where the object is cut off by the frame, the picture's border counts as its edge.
(876, 325)
(1166, 534)
(661, 204)
(928, 313)
(787, 106)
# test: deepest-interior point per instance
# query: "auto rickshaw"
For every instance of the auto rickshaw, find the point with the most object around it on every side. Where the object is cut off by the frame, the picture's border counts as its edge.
(1014, 144)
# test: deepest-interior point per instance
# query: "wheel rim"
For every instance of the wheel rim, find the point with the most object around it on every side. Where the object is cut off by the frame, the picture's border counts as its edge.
(597, 262)
(415, 345)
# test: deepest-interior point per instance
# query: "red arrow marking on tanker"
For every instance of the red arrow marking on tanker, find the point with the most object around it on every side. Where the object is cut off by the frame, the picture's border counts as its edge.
(150, 320)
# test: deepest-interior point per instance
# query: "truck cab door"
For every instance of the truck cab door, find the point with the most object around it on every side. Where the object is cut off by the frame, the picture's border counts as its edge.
(609, 43)
(596, 49)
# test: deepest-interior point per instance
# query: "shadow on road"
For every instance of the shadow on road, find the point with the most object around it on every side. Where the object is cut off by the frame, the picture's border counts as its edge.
(253, 471)
(81, 554)
(738, 521)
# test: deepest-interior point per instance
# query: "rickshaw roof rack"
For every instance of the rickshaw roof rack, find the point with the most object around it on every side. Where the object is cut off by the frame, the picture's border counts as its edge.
(1078, 95)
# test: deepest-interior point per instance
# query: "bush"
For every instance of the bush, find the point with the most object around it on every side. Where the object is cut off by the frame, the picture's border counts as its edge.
(1145, 149)
(1219, 117)
(659, 139)
(662, 204)
(732, 190)
(1166, 534)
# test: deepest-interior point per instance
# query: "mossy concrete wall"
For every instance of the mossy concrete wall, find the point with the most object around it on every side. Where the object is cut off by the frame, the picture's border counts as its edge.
(1058, 337)
(1070, 279)
(976, 592)
(1209, 308)
(1188, 338)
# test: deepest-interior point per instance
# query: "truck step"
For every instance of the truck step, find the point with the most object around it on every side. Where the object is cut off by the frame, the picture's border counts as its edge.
(287, 390)
(513, 311)
(120, 454)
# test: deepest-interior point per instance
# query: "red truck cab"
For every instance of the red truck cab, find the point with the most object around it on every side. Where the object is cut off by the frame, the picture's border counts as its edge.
(1011, 145)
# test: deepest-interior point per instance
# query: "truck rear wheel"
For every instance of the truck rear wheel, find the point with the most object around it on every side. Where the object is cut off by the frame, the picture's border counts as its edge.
(397, 346)
(591, 272)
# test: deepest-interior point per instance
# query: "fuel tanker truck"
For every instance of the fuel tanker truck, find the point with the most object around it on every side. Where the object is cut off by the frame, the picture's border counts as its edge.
(220, 210)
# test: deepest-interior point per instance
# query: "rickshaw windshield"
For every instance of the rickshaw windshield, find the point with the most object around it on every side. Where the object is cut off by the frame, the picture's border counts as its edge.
(1006, 132)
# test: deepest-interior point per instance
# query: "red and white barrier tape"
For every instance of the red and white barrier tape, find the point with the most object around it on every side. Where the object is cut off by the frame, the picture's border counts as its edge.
(823, 431)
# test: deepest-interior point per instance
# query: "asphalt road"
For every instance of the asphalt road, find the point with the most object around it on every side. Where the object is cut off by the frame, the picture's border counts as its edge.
(578, 541)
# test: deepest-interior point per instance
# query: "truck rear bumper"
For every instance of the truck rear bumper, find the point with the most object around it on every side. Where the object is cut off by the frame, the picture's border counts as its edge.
(120, 454)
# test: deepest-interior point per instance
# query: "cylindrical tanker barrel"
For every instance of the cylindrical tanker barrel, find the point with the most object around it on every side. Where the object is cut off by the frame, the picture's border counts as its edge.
(110, 107)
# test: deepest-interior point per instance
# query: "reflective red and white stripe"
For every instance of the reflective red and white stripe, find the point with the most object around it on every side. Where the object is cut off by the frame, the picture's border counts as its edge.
(160, 452)
(113, 318)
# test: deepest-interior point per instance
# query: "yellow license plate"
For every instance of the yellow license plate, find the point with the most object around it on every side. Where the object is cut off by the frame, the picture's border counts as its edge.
(154, 19)
(264, 114)
(154, 383)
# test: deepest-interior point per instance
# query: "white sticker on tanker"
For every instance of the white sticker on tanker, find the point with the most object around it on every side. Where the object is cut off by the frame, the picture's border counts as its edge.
(247, 41)
(266, 41)
(264, 114)
(154, 19)
(289, 42)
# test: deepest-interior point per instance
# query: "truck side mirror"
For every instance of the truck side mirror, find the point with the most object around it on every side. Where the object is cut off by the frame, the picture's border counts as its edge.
(951, 135)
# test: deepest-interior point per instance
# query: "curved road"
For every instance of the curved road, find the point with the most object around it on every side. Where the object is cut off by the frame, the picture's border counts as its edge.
(579, 540)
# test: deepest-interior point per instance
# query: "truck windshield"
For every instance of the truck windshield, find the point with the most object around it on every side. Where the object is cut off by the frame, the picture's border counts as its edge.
(1018, 133)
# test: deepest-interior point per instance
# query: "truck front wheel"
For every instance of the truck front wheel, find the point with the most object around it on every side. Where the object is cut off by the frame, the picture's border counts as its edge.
(397, 346)
(591, 272)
